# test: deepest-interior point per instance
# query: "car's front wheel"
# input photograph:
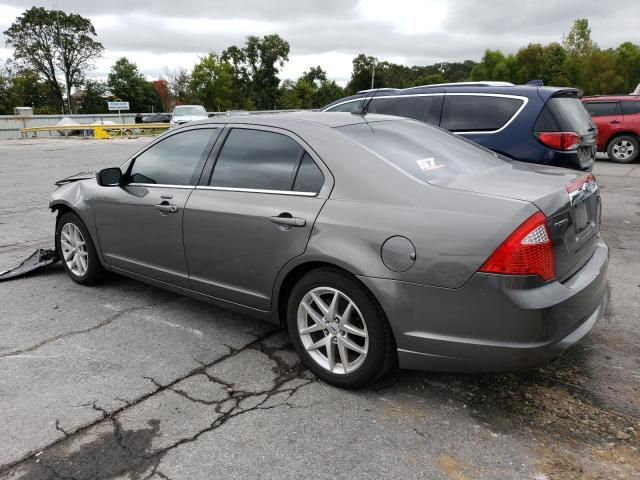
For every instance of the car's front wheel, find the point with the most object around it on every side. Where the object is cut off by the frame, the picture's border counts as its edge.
(76, 250)
(623, 149)
(338, 329)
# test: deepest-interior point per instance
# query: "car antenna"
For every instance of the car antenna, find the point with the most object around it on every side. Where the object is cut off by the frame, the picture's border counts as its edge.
(365, 107)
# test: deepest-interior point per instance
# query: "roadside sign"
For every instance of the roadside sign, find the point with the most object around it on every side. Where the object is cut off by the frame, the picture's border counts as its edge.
(118, 105)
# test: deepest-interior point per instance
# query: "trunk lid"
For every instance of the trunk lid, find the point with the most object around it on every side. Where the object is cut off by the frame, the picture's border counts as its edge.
(569, 199)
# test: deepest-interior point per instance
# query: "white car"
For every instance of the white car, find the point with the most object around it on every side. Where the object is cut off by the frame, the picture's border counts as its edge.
(187, 113)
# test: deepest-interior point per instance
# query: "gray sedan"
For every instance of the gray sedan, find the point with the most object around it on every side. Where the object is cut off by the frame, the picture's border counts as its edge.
(374, 240)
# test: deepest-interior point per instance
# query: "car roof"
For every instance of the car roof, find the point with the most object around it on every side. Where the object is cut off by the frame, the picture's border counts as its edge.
(288, 119)
(519, 90)
(605, 98)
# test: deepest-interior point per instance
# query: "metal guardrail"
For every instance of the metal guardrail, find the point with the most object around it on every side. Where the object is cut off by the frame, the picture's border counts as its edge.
(100, 130)
(11, 126)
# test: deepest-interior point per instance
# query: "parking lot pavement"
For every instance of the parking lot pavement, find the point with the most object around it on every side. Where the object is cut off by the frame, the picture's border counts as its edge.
(128, 381)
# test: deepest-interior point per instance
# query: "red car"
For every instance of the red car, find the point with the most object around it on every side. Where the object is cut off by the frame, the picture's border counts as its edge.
(618, 120)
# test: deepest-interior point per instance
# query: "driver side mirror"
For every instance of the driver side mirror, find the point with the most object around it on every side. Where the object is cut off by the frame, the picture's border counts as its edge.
(109, 177)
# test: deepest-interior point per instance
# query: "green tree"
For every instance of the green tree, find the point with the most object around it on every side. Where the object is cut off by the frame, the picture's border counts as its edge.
(312, 90)
(94, 97)
(211, 83)
(255, 69)
(53, 42)
(554, 57)
(430, 79)
(578, 41)
(628, 64)
(128, 84)
(494, 66)
(601, 75)
(362, 73)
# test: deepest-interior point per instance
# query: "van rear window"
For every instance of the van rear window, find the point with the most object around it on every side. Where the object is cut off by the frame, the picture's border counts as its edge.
(478, 113)
(424, 152)
(569, 114)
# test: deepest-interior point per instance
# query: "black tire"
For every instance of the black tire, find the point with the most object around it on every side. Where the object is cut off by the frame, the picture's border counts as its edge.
(616, 157)
(94, 272)
(381, 354)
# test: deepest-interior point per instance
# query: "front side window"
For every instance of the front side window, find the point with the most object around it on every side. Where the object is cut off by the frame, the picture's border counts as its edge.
(172, 161)
(425, 108)
(257, 160)
(476, 113)
(603, 109)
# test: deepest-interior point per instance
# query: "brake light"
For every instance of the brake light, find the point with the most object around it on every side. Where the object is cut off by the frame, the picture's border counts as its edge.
(527, 251)
(577, 184)
(559, 140)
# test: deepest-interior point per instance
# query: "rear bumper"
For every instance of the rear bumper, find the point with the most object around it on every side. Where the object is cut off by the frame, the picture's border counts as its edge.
(492, 323)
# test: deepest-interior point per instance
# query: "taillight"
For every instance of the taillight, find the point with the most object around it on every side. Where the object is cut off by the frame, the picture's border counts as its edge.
(527, 251)
(578, 183)
(559, 140)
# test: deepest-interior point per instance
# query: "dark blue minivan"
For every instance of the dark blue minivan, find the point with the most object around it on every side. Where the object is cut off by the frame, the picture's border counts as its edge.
(530, 123)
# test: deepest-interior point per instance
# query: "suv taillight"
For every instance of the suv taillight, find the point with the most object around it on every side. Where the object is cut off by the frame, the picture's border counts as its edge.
(559, 140)
(527, 251)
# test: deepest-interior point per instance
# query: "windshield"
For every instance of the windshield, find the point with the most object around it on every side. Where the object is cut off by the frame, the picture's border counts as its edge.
(189, 111)
(424, 152)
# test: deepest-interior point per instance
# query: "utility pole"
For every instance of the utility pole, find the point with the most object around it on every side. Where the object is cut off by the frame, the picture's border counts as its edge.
(373, 73)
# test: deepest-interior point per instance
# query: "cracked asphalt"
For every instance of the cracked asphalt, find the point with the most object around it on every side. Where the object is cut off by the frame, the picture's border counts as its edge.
(126, 381)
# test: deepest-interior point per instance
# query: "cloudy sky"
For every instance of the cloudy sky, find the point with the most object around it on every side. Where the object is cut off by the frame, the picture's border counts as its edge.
(174, 33)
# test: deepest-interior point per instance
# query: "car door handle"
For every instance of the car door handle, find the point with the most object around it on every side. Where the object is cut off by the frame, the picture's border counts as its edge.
(289, 221)
(166, 208)
(614, 122)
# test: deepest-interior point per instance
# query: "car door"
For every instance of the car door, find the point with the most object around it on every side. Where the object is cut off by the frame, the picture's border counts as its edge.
(253, 214)
(140, 223)
(607, 117)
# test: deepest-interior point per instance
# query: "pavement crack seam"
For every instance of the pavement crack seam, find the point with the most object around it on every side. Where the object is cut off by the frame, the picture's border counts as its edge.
(60, 429)
(106, 322)
(106, 415)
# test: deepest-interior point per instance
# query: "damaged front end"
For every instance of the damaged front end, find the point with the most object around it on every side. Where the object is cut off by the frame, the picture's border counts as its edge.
(43, 257)
(40, 258)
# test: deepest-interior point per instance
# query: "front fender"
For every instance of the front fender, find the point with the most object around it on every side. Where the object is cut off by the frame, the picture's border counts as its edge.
(79, 197)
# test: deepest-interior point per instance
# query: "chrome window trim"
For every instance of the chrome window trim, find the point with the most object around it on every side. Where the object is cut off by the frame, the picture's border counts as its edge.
(257, 190)
(161, 185)
(525, 101)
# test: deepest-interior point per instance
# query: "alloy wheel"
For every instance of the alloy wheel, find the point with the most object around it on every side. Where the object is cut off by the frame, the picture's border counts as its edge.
(623, 150)
(74, 249)
(332, 330)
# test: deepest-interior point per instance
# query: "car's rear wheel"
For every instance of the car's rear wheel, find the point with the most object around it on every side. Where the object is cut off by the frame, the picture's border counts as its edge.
(338, 329)
(623, 149)
(76, 250)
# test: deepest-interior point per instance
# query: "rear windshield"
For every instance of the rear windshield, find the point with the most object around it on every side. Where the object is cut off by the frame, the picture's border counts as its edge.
(569, 113)
(424, 152)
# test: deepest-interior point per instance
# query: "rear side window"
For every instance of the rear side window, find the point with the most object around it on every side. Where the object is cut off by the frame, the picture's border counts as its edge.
(351, 106)
(569, 114)
(172, 161)
(425, 108)
(631, 107)
(476, 113)
(309, 177)
(426, 153)
(603, 109)
(258, 160)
